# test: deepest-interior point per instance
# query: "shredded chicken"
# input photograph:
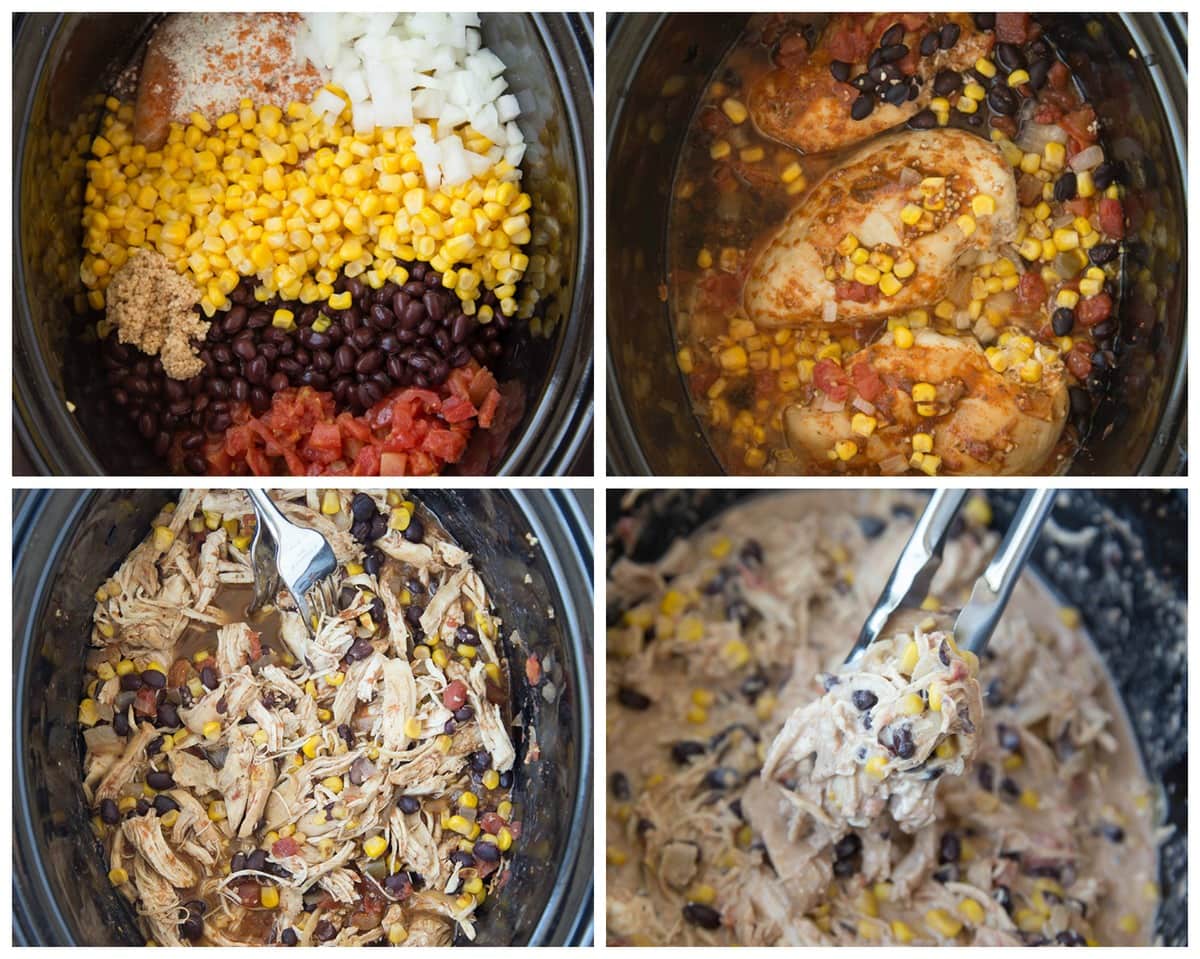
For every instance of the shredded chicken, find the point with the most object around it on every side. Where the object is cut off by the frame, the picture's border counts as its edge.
(256, 785)
(762, 794)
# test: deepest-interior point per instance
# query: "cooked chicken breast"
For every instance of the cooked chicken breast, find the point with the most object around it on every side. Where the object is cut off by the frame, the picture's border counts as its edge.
(865, 197)
(996, 424)
(802, 104)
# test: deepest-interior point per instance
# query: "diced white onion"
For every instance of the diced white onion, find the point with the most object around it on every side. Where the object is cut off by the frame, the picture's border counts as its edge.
(829, 311)
(863, 406)
(1087, 159)
(828, 405)
(893, 465)
(400, 68)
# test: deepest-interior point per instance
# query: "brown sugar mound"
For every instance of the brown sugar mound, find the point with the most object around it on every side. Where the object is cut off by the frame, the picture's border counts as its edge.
(209, 62)
(153, 308)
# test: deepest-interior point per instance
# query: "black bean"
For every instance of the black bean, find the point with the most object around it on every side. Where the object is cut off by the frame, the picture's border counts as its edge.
(685, 749)
(840, 70)
(1002, 100)
(923, 120)
(1103, 253)
(121, 724)
(902, 742)
(849, 845)
(703, 916)
(929, 44)
(1069, 937)
(949, 35)
(164, 805)
(950, 848)
(1105, 175)
(874, 61)
(409, 804)
(1002, 895)
(630, 698)
(1009, 788)
(486, 851)
(192, 928)
(415, 531)
(238, 862)
(326, 931)
(506, 779)
(862, 82)
(131, 682)
(1065, 187)
(946, 82)
(1112, 832)
(618, 782)
(464, 714)
(984, 21)
(892, 35)
(154, 679)
(1009, 57)
(896, 94)
(289, 937)
(863, 699)
(466, 635)
(1063, 321)
(208, 676)
(897, 51)
(1038, 71)
(109, 814)
(721, 778)
(986, 777)
(944, 653)
(862, 107)
(159, 779)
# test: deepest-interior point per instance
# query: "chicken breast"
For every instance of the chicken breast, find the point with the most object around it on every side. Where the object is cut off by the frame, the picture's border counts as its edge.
(940, 173)
(801, 104)
(995, 423)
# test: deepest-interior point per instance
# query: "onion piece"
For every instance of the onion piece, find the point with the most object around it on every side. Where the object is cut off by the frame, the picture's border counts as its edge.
(863, 405)
(1035, 136)
(1087, 159)
(893, 465)
(827, 404)
(829, 311)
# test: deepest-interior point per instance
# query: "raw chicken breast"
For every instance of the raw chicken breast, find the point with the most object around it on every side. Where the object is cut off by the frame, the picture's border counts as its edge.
(864, 197)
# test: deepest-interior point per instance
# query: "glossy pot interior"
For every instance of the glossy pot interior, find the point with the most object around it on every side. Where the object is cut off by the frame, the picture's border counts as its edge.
(64, 65)
(65, 543)
(1121, 560)
(1142, 102)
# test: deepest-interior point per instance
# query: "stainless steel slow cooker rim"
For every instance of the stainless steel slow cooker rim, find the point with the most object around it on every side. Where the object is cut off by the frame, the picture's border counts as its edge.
(554, 517)
(549, 444)
(1166, 455)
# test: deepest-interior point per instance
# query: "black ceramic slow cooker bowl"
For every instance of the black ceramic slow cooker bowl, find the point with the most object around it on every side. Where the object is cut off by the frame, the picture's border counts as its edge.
(65, 542)
(63, 64)
(1133, 67)
(1120, 558)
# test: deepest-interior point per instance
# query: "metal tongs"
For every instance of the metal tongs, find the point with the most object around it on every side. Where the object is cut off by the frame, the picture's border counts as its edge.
(297, 557)
(922, 555)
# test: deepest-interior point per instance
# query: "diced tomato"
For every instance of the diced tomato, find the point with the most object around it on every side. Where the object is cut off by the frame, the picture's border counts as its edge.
(1080, 206)
(713, 121)
(831, 380)
(847, 42)
(145, 703)
(1059, 75)
(1080, 126)
(487, 412)
(457, 409)
(491, 823)
(852, 290)
(248, 893)
(326, 436)
(533, 669)
(721, 291)
(870, 387)
(793, 51)
(1112, 218)
(1047, 113)
(1079, 362)
(179, 672)
(1093, 310)
(282, 848)
(1031, 293)
(1012, 27)
(255, 643)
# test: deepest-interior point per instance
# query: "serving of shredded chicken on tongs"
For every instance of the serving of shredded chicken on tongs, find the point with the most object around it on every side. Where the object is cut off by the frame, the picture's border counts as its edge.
(253, 785)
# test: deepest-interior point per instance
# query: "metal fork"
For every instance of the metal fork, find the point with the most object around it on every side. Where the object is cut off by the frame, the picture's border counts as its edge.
(922, 555)
(297, 557)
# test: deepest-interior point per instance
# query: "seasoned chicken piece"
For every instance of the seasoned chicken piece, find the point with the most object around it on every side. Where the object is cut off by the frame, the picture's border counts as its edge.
(126, 768)
(996, 423)
(145, 834)
(864, 197)
(801, 104)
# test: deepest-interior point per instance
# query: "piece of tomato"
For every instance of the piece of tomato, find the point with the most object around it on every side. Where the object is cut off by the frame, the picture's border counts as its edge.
(831, 380)
(1112, 217)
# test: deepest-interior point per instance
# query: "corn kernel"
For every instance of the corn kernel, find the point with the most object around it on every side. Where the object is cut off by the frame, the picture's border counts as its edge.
(1067, 299)
(911, 705)
(943, 923)
(901, 931)
(889, 285)
(866, 274)
(875, 766)
(846, 449)
(375, 847)
(983, 204)
(971, 911)
(966, 223)
(967, 104)
(735, 110)
(1018, 77)
(862, 424)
